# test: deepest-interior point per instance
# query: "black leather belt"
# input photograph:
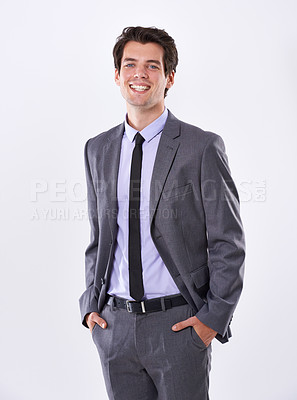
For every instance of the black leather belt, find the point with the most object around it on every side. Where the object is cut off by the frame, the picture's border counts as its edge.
(146, 306)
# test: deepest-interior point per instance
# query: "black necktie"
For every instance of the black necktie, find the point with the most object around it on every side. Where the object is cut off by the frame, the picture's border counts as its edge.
(135, 267)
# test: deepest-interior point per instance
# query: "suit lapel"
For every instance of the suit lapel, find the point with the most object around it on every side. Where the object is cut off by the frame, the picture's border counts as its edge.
(112, 152)
(167, 149)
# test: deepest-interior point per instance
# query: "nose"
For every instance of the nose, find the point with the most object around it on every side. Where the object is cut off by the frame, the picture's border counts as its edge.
(140, 73)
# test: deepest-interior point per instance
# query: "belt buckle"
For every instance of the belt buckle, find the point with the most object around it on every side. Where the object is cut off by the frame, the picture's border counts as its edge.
(143, 307)
(128, 306)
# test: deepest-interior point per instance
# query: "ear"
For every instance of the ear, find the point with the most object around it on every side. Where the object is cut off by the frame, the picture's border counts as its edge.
(117, 77)
(170, 80)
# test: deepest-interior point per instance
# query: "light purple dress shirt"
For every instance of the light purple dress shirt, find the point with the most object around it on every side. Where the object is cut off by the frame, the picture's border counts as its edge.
(157, 281)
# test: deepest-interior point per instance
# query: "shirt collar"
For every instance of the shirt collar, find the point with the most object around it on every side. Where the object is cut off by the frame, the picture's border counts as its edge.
(150, 131)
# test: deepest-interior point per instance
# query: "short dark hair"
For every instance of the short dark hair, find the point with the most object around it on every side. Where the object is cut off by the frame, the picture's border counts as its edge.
(143, 36)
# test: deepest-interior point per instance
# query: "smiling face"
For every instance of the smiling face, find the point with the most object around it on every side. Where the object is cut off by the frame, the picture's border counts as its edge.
(142, 79)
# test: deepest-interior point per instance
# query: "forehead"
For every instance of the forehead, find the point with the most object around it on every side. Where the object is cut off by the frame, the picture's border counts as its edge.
(143, 52)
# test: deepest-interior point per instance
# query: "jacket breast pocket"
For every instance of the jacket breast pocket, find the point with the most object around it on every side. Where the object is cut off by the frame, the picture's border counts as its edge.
(177, 191)
(200, 278)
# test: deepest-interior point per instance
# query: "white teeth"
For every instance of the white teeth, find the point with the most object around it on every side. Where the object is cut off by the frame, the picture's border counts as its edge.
(140, 88)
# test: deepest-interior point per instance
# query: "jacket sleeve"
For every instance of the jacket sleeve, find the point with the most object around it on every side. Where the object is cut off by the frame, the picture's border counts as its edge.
(226, 242)
(89, 299)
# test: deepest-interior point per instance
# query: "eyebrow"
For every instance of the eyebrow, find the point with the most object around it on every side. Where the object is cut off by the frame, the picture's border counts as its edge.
(149, 61)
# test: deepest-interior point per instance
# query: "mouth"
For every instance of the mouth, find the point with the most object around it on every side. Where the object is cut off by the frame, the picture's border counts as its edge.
(139, 88)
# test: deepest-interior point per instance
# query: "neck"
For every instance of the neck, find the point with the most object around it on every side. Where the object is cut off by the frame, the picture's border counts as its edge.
(140, 118)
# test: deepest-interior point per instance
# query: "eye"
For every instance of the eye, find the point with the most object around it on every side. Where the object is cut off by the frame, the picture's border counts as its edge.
(153, 66)
(129, 65)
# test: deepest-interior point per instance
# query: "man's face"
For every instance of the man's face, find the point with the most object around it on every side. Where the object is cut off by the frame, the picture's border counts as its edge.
(142, 79)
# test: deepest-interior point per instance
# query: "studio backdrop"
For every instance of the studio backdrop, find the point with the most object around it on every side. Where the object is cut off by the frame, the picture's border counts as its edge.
(236, 77)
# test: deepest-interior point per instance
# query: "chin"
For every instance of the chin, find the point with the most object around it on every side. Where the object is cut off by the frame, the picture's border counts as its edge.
(138, 103)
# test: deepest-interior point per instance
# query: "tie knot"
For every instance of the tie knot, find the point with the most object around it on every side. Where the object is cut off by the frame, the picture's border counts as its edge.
(138, 139)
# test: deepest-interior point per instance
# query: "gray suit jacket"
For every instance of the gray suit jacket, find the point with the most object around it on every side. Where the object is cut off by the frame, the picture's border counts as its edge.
(194, 219)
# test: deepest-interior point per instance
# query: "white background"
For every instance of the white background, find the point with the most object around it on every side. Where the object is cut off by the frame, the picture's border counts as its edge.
(236, 77)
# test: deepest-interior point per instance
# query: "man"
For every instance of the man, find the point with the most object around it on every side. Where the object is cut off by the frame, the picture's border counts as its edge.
(164, 267)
